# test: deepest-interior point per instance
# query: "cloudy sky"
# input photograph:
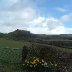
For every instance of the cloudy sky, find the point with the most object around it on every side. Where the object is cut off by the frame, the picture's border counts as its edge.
(36, 16)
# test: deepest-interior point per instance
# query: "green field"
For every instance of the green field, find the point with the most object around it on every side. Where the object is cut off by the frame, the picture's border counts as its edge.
(12, 43)
(10, 53)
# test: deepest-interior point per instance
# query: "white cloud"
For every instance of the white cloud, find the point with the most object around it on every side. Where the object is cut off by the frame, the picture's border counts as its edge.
(32, 22)
(37, 25)
(66, 18)
(23, 15)
(61, 9)
(22, 4)
(68, 30)
(48, 25)
(12, 1)
(27, 14)
(8, 3)
(53, 23)
(17, 19)
(19, 14)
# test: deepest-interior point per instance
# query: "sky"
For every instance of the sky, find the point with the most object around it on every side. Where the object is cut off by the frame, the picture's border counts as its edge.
(36, 16)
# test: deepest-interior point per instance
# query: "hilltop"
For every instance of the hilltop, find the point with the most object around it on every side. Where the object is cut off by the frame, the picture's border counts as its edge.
(23, 34)
(63, 40)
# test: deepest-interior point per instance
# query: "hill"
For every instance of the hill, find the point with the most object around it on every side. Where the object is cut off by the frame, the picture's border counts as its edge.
(54, 48)
(23, 34)
(63, 40)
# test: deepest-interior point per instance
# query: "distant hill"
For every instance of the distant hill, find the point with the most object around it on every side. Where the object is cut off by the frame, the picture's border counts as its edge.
(27, 35)
(62, 40)
(23, 34)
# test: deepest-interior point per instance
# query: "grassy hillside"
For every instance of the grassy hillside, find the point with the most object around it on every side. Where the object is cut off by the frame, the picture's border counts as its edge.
(11, 50)
(20, 44)
(12, 43)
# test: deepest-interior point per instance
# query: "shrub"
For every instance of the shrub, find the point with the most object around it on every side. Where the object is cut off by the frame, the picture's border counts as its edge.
(39, 65)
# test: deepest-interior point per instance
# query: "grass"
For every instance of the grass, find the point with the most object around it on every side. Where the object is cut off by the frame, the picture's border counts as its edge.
(12, 43)
(19, 44)
(9, 67)
(10, 53)
(10, 59)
